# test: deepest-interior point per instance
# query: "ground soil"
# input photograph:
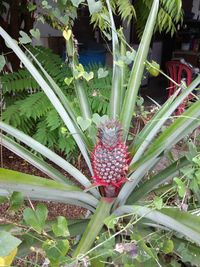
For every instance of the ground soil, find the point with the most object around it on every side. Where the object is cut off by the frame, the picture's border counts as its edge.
(11, 161)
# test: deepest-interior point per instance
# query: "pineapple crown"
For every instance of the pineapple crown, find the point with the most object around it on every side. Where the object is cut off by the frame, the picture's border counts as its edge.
(110, 134)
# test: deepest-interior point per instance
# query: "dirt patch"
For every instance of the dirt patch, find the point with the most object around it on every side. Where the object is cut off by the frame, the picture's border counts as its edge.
(11, 161)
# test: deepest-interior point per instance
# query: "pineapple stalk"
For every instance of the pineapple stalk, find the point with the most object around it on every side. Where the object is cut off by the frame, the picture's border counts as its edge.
(94, 227)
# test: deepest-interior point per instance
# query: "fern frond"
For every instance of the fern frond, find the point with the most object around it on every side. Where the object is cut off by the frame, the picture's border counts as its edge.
(37, 116)
(170, 13)
(53, 120)
(53, 64)
(18, 81)
(66, 144)
(35, 105)
(101, 20)
(44, 135)
(126, 10)
(168, 16)
(11, 116)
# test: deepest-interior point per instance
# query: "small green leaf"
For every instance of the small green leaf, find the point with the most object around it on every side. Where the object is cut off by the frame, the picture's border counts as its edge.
(131, 55)
(75, 3)
(36, 218)
(158, 203)
(78, 71)
(65, 1)
(180, 187)
(104, 118)
(120, 63)
(56, 251)
(196, 160)
(192, 149)
(68, 81)
(80, 68)
(185, 254)
(63, 130)
(130, 137)
(2, 62)
(93, 132)
(31, 7)
(7, 243)
(97, 262)
(140, 101)
(102, 73)
(35, 33)
(60, 228)
(142, 246)
(16, 200)
(46, 5)
(94, 6)
(197, 174)
(88, 75)
(129, 58)
(97, 119)
(194, 185)
(168, 246)
(111, 221)
(188, 172)
(84, 123)
(24, 39)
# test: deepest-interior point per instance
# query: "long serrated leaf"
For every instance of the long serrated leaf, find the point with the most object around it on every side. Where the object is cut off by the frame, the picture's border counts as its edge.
(46, 152)
(62, 97)
(137, 70)
(151, 129)
(182, 126)
(34, 160)
(94, 227)
(160, 178)
(115, 98)
(44, 189)
(171, 220)
(50, 94)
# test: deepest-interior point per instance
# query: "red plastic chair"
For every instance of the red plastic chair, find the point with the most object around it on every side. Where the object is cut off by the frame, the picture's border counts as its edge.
(178, 71)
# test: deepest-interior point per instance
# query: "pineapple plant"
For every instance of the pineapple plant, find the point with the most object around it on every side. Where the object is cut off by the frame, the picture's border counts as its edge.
(107, 155)
(110, 159)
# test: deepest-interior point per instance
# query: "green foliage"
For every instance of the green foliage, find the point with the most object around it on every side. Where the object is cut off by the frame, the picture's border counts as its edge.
(60, 228)
(170, 13)
(38, 117)
(36, 218)
(56, 251)
(2, 62)
(7, 243)
(16, 200)
(188, 183)
(126, 10)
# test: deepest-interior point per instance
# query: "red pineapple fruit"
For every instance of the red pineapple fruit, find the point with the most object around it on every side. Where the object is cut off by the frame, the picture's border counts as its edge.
(110, 158)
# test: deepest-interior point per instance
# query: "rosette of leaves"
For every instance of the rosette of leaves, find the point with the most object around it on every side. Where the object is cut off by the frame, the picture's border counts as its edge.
(146, 150)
